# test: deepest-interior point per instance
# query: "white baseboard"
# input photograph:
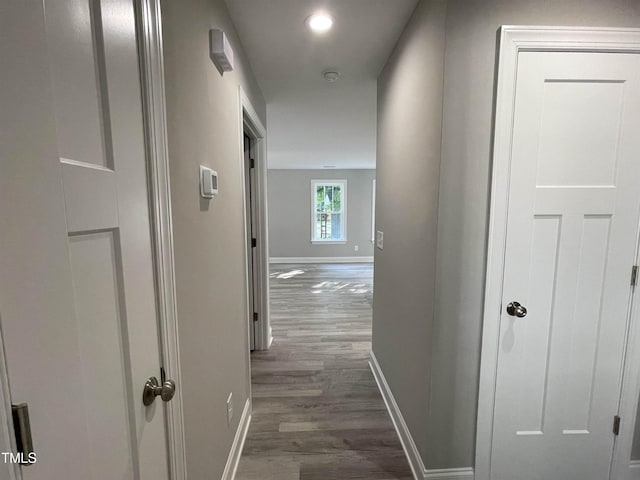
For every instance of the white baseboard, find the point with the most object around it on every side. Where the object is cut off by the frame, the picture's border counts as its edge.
(321, 260)
(238, 443)
(634, 470)
(450, 474)
(411, 451)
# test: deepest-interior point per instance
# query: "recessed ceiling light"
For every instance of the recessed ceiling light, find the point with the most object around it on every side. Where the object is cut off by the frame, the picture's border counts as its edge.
(331, 75)
(320, 22)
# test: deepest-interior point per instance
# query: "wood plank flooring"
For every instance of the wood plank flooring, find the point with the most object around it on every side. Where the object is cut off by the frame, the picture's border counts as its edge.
(317, 412)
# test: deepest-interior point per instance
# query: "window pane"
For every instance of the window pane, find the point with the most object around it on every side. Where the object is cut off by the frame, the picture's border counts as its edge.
(336, 226)
(328, 220)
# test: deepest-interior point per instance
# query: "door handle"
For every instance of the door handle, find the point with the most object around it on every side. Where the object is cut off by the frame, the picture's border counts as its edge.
(516, 310)
(153, 389)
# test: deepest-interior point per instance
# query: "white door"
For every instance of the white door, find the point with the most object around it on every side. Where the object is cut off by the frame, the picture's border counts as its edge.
(249, 190)
(572, 230)
(77, 294)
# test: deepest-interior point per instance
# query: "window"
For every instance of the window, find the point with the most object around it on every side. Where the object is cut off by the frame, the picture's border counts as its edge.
(328, 211)
(373, 210)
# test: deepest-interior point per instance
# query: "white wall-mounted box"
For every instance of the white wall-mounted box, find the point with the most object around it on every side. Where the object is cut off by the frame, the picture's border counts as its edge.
(208, 182)
(220, 50)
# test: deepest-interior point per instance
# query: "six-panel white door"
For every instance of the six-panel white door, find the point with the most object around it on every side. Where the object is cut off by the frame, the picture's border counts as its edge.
(572, 230)
(78, 293)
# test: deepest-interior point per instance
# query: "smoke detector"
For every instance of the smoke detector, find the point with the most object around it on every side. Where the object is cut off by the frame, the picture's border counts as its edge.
(331, 75)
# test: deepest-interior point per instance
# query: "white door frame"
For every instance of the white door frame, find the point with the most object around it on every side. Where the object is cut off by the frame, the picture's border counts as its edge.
(149, 25)
(514, 39)
(7, 438)
(251, 123)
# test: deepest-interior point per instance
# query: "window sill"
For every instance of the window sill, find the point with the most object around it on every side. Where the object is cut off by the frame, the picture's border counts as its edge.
(328, 242)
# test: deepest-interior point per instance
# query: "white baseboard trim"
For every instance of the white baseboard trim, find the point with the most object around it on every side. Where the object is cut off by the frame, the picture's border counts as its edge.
(450, 474)
(411, 451)
(238, 443)
(634, 464)
(321, 260)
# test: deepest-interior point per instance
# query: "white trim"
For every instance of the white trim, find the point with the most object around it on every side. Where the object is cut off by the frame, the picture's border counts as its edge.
(633, 472)
(321, 260)
(7, 439)
(450, 474)
(408, 445)
(238, 443)
(373, 210)
(342, 183)
(250, 121)
(152, 78)
(512, 41)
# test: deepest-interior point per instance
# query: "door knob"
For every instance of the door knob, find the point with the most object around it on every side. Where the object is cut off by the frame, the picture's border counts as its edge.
(153, 389)
(516, 310)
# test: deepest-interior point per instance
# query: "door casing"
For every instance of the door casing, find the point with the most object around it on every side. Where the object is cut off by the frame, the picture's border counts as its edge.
(512, 40)
(251, 124)
(150, 52)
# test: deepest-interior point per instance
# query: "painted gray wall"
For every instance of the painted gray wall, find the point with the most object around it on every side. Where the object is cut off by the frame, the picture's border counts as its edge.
(290, 213)
(408, 162)
(203, 128)
(445, 329)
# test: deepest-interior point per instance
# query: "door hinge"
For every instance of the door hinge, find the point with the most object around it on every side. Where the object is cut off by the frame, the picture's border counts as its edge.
(634, 275)
(252, 163)
(616, 425)
(22, 427)
(254, 242)
(255, 316)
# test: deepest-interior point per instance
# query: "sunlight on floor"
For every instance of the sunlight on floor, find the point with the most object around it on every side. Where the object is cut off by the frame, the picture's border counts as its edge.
(289, 274)
(335, 286)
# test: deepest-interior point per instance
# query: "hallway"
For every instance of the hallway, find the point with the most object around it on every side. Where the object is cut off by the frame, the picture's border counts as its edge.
(317, 412)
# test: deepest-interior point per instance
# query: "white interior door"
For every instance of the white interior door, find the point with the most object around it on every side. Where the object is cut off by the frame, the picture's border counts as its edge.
(77, 294)
(572, 230)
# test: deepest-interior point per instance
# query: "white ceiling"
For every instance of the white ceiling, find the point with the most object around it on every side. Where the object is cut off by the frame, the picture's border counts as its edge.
(313, 123)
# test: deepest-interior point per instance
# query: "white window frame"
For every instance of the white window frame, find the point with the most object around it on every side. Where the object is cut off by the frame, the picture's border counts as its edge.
(343, 185)
(373, 210)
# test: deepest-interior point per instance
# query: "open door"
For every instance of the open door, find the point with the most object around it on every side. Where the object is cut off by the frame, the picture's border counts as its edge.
(77, 287)
(252, 234)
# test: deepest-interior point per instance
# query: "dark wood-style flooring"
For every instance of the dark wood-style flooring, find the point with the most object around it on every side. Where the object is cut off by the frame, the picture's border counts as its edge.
(317, 412)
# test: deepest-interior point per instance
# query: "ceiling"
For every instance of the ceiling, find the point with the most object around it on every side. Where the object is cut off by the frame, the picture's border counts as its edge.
(313, 123)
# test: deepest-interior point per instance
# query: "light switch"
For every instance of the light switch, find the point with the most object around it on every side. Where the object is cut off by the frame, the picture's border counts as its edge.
(379, 239)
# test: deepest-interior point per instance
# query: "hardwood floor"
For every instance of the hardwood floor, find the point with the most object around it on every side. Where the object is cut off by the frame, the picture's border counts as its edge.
(317, 412)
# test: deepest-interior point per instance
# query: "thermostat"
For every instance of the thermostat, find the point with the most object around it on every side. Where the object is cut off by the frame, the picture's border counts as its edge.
(208, 182)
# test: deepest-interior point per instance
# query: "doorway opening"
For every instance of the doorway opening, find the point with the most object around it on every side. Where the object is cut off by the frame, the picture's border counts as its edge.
(254, 170)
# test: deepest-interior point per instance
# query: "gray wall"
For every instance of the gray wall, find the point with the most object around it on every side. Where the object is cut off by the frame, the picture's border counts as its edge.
(203, 128)
(448, 341)
(290, 213)
(408, 163)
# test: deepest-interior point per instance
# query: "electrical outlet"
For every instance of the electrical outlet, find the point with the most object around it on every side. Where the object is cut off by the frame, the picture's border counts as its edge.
(356, 248)
(229, 409)
(380, 239)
